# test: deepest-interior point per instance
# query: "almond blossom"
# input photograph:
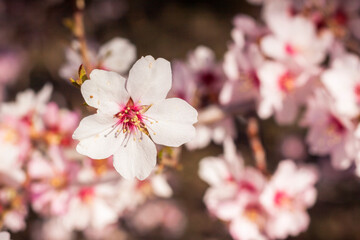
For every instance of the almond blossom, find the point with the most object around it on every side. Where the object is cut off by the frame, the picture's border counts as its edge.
(203, 77)
(28, 103)
(295, 39)
(59, 124)
(132, 115)
(14, 148)
(50, 188)
(286, 197)
(330, 132)
(91, 206)
(115, 55)
(233, 193)
(282, 89)
(343, 83)
(137, 192)
(199, 81)
(13, 205)
(241, 63)
(210, 130)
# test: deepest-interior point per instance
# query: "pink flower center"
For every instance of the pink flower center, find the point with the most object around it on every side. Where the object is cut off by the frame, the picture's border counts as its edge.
(341, 17)
(357, 92)
(130, 119)
(59, 181)
(207, 78)
(86, 194)
(255, 79)
(335, 126)
(290, 50)
(255, 214)
(281, 199)
(287, 82)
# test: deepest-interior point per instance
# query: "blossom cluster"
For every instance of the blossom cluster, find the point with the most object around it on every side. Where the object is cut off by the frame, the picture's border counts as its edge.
(297, 66)
(258, 206)
(41, 168)
(298, 59)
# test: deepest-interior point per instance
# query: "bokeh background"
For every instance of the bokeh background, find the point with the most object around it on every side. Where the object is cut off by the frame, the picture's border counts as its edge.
(170, 29)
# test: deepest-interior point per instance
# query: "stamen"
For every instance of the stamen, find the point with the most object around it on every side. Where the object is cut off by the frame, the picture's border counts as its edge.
(113, 128)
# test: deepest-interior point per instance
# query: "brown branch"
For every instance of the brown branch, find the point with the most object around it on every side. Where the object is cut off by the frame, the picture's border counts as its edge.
(255, 143)
(79, 32)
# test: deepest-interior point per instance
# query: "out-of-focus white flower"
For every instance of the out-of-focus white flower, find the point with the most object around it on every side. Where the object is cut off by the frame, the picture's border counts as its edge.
(211, 129)
(343, 83)
(13, 206)
(14, 148)
(286, 197)
(93, 205)
(51, 178)
(241, 62)
(283, 89)
(233, 193)
(295, 40)
(137, 192)
(59, 124)
(116, 55)
(132, 115)
(330, 132)
(162, 214)
(198, 80)
(27, 102)
(241, 67)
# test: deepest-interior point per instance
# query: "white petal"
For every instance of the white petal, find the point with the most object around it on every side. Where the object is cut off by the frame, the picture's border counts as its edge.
(101, 143)
(43, 96)
(117, 54)
(93, 125)
(272, 47)
(102, 214)
(213, 170)
(173, 120)
(161, 187)
(149, 80)
(137, 158)
(104, 87)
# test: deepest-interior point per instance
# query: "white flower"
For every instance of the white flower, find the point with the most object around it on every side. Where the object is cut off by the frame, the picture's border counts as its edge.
(132, 115)
(115, 55)
(28, 102)
(342, 82)
(295, 40)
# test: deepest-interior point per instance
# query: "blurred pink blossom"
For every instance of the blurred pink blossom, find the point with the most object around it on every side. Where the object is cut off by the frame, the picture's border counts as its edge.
(330, 132)
(51, 182)
(286, 197)
(283, 89)
(162, 214)
(294, 39)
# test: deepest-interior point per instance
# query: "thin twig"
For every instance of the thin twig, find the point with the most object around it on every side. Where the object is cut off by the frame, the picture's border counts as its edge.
(255, 143)
(79, 32)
